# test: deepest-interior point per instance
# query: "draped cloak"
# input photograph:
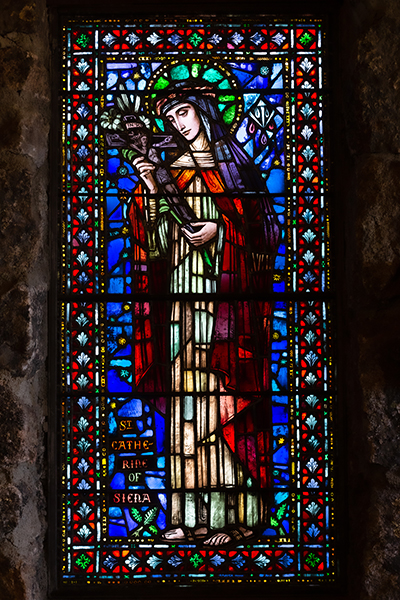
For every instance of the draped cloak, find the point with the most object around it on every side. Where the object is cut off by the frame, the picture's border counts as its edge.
(240, 342)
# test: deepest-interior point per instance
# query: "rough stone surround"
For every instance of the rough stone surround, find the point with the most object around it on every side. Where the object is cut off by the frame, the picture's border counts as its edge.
(366, 185)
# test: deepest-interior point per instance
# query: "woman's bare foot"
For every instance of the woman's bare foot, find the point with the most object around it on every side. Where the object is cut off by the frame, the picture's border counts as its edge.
(184, 534)
(235, 534)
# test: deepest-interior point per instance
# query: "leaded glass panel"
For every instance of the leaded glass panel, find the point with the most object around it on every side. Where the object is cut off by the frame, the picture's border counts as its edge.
(195, 303)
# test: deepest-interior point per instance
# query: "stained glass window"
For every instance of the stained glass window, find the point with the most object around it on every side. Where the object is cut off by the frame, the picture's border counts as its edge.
(196, 391)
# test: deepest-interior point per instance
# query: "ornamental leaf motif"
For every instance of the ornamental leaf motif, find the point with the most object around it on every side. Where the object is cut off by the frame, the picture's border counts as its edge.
(306, 65)
(311, 421)
(307, 215)
(309, 236)
(308, 152)
(82, 381)
(84, 532)
(82, 338)
(82, 424)
(312, 400)
(82, 132)
(84, 510)
(83, 465)
(313, 509)
(311, 358)
(82, 258)
(310, 379)
(312, 465)
(306, 132)
(132, 562)
(82, 320)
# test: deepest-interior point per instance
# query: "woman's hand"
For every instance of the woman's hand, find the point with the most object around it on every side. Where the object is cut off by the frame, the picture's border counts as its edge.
(207, 232)
(146, 168)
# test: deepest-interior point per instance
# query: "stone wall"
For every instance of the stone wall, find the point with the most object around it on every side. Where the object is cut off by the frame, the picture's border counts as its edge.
(366, 185)
(24, 278)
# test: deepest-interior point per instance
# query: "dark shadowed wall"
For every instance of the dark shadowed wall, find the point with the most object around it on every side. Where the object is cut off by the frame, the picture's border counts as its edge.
(366, 190)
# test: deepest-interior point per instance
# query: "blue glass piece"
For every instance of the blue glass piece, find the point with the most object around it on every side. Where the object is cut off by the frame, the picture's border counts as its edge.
(274, 386)
(121, 362)
(145, 69)
(275, 99)
(161, 520)
(278, 83)
(261, 156)
(279, 414)
(139, 425)
(112, 203)
(112, 152)
(280, 262)
(125, 351)
(282, 345)
(112, 423)
(249, 100)
(115, 383)
(267, 163)
(129, 521)
(160, 431)
(269, 532)
(278, 287)
(112, 79)
(281, 497)
(274, 368)
(117, 530)
(280, 325)
(161, 462)
(243, 77)
(127, 184)
(280, 430)
(155, 483)
(130, 85)
(113, 165)
(133, 408)
(114, 512)
(147, 433)
(118, 482)
(115, 248)
(280, 399)
(258, 83)
(249, 147)
(276, 181)
(117, 214)
(113, 308)
(282, 377)
(163, 500)
(116, 285)
(242, 135)
(111, 463)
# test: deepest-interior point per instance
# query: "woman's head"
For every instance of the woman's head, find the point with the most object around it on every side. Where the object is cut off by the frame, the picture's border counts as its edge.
(184, 118)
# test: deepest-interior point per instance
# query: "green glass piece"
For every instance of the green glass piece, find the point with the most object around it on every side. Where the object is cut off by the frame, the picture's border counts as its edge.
(174, 340)
(160, 124)
(180, 72)
(229, 114)
(225, 85)
(195, 70)
(226, 98)
(161, 83)
(212, 75)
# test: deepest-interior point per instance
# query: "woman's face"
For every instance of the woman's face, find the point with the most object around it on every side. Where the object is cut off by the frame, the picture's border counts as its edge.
(185, 119)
